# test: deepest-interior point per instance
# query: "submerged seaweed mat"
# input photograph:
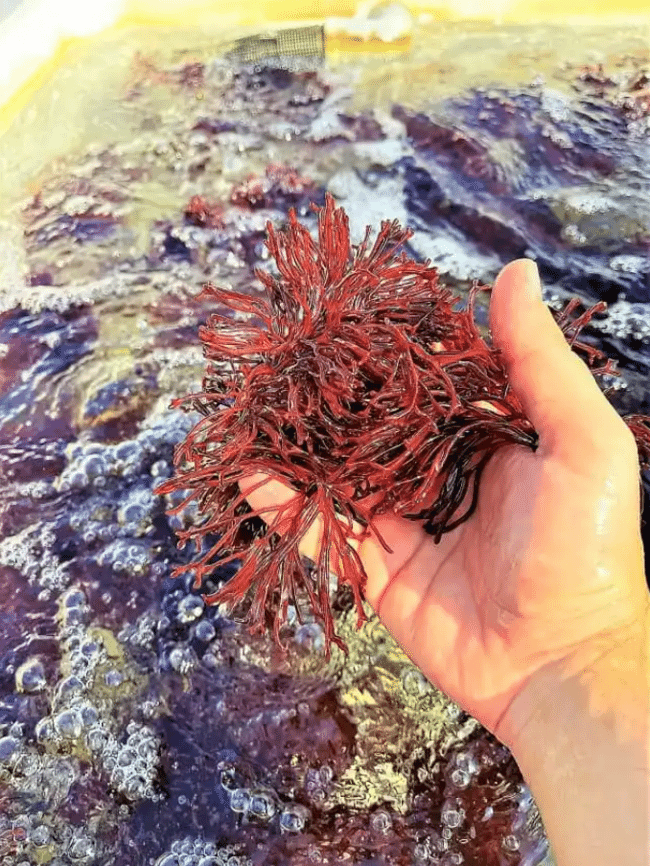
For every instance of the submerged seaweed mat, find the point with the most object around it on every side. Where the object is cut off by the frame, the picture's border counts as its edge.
(139, 725)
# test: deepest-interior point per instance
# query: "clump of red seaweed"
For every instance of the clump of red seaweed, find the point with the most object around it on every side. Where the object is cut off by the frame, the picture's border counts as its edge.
(362, 381)
(278, 181)
(201, 212)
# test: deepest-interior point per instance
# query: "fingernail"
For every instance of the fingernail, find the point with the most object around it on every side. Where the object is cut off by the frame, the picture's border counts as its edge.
(533, 282)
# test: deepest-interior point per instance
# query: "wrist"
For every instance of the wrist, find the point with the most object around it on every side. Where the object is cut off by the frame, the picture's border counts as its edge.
(581, 740)
(609, 677)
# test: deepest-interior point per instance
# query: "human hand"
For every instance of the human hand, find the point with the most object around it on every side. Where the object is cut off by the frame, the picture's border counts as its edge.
(548, 571)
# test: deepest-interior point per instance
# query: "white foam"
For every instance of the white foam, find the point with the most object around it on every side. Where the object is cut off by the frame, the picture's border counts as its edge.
(387, 21)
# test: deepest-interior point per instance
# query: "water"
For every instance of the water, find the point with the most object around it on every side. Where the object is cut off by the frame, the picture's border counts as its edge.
(138, 725)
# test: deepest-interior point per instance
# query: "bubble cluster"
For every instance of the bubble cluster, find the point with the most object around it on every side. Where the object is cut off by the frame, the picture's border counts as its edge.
(42, 780)
(182, 633)
(462, 769)
(262, 804)
(199, 852)
(133, 765)
(141, 633)
(83, 721)
(318, 783)
(126, 556)
(33, 842)
(73, 611)
(30, 552)
(625, 320)
(94, 464)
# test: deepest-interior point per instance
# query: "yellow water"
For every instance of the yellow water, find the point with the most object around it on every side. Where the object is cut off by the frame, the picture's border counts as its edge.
(80, 99)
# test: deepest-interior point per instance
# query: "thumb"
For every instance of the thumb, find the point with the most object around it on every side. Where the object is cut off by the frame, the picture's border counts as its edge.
(555, 387)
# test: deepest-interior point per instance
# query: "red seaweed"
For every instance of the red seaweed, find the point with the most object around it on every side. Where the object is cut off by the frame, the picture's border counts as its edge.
(362, 382)
(278, 181)
(201, 212)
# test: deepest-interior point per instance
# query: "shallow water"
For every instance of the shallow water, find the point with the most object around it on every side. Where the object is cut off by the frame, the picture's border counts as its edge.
(136, 725)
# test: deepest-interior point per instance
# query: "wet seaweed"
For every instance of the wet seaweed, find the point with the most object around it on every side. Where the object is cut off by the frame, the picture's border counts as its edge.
(365, 391)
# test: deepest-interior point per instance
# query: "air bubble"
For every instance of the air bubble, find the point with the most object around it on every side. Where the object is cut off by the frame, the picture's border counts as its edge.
(68, 688)
(452, 814)
(81, 849)
(467, 761)
(134, 787)
(227, 778)
(294, 818)
(90, 648)
(310, 636)
(8, 747)
(68, 724)
(240, 800)
(44, 730)
(159, 469)
(190, 608)
(262, 806)
(318, 796)
(92, 468)
(30, 676)
(381, 822)
(40, 836)
(136, 512)
(73, 598)
(205, 631)
(182, 659)
(510, 843)
(88, 715)
(113, 678)
(460, 778)
(96, 739)
(415, 683)
(126, 756)
(325, 774)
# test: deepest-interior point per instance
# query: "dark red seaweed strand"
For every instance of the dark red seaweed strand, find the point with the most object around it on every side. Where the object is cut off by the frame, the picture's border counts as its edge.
(362, 384)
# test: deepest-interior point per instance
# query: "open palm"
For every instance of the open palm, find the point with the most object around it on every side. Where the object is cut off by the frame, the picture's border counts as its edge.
(549, 568)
